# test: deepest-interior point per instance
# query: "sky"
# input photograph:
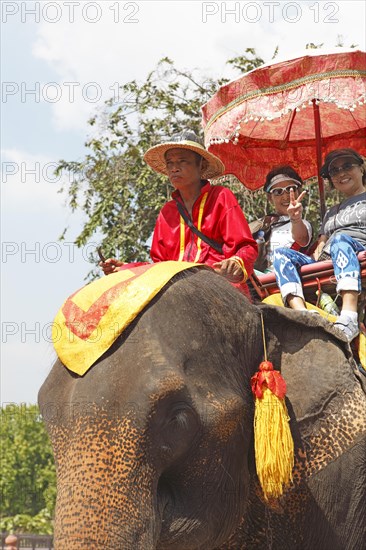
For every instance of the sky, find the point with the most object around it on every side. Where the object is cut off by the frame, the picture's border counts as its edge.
(60, 61)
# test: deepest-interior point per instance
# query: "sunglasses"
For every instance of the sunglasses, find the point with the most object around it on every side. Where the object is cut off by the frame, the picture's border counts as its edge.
(281, 190)
(346, 167)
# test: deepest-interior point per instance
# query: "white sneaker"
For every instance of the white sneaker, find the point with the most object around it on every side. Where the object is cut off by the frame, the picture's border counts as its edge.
(347, 326)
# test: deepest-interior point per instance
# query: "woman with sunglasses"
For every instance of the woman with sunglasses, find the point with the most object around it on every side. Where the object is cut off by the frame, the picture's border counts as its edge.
(285, 227)
(342, 237)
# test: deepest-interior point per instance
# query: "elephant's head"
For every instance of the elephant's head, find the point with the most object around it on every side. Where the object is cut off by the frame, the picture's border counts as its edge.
(153, 445)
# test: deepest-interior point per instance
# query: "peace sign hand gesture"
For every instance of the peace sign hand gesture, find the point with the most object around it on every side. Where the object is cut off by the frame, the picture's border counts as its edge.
(295, 207)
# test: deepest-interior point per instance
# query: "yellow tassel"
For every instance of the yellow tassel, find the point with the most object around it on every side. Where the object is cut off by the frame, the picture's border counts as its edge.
(274, 447)
(273, 443)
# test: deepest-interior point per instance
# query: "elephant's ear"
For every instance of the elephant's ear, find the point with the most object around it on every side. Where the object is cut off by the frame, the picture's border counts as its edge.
(313, 360)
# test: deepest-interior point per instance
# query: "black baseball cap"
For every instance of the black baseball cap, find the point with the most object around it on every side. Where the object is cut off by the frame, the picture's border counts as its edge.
(337, 153)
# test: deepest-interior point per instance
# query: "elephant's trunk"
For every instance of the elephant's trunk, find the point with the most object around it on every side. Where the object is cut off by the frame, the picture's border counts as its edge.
(106, 493)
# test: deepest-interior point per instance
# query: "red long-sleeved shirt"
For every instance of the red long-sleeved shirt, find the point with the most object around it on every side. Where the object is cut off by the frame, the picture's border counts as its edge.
(217, 214)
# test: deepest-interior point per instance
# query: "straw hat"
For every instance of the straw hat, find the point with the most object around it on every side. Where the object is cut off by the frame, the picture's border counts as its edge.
(155, 156)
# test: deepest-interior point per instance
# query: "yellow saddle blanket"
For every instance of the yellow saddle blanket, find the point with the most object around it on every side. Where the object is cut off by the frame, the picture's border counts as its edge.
(92, 318)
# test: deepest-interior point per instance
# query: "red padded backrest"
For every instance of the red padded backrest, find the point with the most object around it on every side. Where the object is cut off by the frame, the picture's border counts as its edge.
(311, 275)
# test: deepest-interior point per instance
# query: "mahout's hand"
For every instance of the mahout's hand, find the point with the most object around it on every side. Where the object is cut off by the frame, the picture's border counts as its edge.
(111, 265)
(230, 269)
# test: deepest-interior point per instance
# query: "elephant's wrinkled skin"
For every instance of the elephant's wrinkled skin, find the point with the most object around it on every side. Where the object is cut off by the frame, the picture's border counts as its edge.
(154, 445)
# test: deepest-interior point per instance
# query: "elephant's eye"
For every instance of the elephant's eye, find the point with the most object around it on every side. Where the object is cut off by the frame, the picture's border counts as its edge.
(178, 432)
(180, 418)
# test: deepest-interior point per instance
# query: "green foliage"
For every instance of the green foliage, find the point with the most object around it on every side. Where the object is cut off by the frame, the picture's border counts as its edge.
(312, 201)
(28, 479)
(41, 524)
(243, 63)
(312, 46)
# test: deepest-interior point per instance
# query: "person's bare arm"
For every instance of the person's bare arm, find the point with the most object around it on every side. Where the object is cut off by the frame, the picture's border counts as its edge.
(321, 243)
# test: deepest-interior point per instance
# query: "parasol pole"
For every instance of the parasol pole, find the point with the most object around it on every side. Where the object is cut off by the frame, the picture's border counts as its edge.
(319, 155)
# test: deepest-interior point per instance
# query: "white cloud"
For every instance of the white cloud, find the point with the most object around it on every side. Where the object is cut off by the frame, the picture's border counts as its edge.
(29, 179)
(193, 34)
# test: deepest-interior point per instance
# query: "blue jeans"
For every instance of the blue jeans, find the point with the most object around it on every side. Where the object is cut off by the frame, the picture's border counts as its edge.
(343, 251)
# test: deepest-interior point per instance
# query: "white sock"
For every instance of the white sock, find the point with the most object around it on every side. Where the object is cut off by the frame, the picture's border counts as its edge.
(351, 314)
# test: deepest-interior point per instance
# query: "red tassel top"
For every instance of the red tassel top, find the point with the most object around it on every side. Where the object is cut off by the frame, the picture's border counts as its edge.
(272, 379)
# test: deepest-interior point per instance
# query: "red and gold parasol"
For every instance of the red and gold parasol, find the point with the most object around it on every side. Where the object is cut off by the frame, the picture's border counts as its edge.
(291, 112)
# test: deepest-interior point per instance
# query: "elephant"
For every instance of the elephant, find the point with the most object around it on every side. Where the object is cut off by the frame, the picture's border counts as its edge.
(154, 444)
